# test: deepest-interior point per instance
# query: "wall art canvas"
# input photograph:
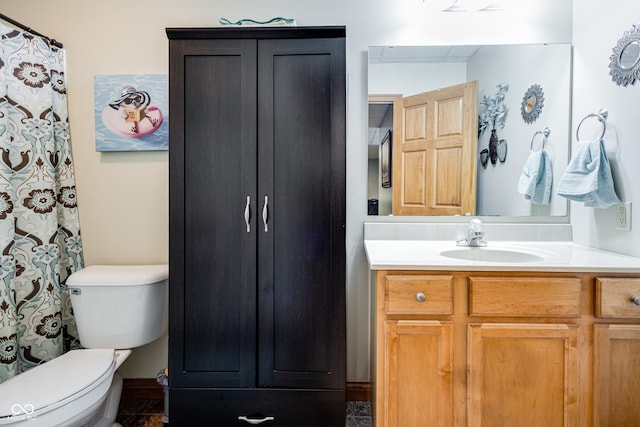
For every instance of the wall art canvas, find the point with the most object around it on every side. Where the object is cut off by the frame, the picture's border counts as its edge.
(131, 112)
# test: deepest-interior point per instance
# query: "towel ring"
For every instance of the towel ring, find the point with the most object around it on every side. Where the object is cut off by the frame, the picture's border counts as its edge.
(601, 115)
(545, 134)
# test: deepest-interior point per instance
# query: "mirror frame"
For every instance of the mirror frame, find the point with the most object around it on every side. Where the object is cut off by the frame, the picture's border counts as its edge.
(532, 114)
(621, 75)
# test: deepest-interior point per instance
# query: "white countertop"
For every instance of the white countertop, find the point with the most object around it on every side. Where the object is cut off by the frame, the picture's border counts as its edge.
(558, 256)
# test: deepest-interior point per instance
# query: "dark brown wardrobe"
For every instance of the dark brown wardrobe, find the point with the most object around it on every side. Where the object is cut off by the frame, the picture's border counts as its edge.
(257, 226)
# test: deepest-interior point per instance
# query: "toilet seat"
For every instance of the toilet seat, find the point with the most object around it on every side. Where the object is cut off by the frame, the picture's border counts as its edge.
(65, 379)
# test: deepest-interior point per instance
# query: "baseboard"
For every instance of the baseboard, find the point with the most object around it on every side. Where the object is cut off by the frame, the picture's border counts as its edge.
(358, 392)
(148, 388)
(141, 388)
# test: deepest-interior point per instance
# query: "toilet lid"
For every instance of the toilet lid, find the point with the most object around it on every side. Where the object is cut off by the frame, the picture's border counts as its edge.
(118, 275)
(54, 381)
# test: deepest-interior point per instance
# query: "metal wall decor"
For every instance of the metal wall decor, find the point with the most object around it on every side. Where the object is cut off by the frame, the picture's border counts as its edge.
(532, 103)
(493, 116)
(625, 58)
(494, 110)
(497, 151)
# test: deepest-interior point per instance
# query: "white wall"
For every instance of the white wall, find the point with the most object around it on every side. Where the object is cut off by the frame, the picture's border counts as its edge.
(123, 197)
(597, 28)
(553, 74)
(412, 78)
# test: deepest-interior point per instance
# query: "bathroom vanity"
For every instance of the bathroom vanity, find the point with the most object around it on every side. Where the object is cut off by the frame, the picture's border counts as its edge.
(503, 338)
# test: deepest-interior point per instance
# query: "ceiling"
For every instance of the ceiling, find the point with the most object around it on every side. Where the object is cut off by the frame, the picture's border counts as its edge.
(424, 54)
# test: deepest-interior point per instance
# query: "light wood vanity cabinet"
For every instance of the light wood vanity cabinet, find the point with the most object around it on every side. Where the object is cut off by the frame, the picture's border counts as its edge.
(617, 353)
(506, 349)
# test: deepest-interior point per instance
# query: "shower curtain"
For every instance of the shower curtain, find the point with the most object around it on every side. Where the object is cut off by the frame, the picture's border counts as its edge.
(40, 243)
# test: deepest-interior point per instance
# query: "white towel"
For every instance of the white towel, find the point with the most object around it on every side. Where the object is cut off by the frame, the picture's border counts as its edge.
(536, 178)
(588, 177)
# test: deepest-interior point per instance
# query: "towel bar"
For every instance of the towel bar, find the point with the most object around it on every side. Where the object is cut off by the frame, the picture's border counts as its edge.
(601, 115)
(545, 134)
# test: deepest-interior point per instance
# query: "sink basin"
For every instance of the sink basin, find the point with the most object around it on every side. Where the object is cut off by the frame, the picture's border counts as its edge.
(491, 255)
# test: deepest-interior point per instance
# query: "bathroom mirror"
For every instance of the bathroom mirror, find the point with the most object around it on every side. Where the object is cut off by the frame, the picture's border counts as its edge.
(401, 71)
(625, 58)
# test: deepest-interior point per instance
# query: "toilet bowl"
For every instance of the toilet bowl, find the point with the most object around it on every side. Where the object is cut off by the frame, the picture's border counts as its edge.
(116, 308)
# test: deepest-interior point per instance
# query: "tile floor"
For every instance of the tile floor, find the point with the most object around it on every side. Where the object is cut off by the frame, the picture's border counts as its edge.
(149, 412)
(358, 414)
(141, 413)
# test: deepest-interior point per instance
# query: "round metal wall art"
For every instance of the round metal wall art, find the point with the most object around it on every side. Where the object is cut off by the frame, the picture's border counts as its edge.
(532, 103)
(625, 58)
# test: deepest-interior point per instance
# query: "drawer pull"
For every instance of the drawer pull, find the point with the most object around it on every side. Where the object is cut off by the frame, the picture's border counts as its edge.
(255, 421)
(420, 297)
(635, 299)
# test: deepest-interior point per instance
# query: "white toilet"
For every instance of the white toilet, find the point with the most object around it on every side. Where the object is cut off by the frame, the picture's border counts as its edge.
(116, 308)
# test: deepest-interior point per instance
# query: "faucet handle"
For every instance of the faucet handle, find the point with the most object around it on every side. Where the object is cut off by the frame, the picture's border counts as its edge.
(475, 225)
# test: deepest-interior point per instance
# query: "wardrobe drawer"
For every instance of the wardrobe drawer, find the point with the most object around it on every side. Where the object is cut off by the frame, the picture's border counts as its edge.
(524, 296)
(245, 407)
(419, 294)
(615, 297)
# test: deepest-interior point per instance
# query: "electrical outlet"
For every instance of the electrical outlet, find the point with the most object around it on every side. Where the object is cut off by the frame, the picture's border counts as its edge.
(623, 216)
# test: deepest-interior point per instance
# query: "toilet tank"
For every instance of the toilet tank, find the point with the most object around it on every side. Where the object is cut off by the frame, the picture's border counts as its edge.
(119, 306)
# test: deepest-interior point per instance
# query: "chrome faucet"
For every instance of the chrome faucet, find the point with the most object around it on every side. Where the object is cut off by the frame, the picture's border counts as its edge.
(475, 235)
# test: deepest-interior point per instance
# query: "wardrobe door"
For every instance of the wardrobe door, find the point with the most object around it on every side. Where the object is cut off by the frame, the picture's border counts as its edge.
(301, 175)
(212, 184)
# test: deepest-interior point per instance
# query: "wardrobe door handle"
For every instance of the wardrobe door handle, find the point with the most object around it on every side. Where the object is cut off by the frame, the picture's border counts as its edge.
(247, 214)
(255, 421)
(265, 213)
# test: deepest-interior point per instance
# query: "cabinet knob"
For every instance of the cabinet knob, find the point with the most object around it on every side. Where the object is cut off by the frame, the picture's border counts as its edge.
(420, 297)
(635, 299)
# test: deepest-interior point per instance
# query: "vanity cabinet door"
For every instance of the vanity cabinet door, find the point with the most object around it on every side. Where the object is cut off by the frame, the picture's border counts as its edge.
(418, 378)
(523, 375)
(616, 382)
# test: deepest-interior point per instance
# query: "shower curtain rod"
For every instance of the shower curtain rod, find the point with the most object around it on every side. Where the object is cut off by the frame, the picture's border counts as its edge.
(24, 27)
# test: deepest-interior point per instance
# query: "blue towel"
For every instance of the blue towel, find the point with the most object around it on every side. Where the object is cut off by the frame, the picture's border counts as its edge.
(588, 177)
(536, 178)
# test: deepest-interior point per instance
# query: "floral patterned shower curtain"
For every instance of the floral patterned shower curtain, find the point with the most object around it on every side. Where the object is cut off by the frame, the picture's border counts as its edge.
(40, 242)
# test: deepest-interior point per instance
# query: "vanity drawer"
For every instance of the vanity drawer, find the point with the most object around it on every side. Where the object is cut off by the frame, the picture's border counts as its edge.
(614, 297)
(524, 296)
(419, 294)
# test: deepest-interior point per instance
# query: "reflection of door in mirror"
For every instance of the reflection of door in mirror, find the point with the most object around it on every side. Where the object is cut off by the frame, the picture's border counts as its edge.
(380, 124)
(434, 152)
